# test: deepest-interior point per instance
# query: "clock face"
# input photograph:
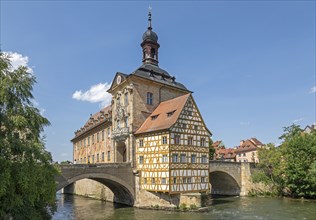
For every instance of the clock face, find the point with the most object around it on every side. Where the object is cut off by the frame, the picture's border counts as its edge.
(118, 80)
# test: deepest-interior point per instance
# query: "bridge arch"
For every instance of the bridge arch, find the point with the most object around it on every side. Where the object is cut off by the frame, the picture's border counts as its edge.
(223, 183)
(119, 180)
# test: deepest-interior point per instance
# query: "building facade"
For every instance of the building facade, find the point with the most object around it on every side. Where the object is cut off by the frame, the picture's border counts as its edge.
(248, 150)
(153, 123)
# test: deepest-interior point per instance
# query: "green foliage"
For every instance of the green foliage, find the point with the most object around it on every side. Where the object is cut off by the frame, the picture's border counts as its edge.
(183, 206)
(259, 176)
(291, 168)
(27, 185)
(193, 207)
(212, 150)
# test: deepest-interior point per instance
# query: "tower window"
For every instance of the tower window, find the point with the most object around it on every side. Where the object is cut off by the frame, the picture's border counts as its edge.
(149, 98)
(153, 53)
(126, 99)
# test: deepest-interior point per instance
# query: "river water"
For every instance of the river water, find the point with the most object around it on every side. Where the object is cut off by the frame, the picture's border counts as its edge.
(77, 207)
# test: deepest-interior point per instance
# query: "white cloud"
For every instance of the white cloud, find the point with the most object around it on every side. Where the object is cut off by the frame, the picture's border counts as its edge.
(313, 89)
(18, 60)
(298, 120)
(96, 93)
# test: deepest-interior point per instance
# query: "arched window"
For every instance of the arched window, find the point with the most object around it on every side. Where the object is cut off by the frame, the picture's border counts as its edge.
(153, 53)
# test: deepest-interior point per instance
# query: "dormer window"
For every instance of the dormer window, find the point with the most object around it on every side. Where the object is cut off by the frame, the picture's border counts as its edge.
(154, 117)
(169, 114)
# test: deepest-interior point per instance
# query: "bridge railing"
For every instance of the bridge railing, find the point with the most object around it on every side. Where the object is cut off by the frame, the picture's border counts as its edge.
(101, 165)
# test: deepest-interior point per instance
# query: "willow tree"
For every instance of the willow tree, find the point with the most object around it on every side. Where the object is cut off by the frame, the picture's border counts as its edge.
(27, 186)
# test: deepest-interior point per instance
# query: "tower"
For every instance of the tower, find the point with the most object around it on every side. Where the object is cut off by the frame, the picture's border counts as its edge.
(150, 44)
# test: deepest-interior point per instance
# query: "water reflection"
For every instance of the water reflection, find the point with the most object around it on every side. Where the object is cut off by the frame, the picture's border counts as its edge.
(76, 207)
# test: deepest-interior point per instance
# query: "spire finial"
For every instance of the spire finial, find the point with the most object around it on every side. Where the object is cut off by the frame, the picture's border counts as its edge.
(149, 18)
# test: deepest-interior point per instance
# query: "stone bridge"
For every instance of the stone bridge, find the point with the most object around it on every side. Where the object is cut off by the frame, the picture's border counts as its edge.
(118, 177)
(230, 178)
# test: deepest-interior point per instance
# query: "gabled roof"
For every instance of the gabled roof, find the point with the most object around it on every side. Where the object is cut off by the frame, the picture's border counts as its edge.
(114, 82)
(228, 153)
(159, 119)
(249, 145)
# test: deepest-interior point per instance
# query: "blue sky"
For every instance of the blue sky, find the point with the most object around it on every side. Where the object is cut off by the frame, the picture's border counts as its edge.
(250, 64)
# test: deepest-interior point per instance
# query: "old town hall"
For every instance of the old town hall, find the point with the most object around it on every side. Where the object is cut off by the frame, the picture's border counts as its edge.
(154, 124)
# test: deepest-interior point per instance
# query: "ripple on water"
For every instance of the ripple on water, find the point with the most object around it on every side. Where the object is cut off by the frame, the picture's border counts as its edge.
(77, 207)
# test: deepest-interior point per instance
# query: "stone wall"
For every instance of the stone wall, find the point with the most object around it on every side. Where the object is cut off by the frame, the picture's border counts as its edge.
(90, 188)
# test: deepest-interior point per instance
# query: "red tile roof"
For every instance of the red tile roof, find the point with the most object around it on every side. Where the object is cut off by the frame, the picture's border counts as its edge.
(249, 145)
(228, 153)
(159, 120)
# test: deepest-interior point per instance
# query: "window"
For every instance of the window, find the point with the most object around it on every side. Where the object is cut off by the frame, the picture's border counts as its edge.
(126, 122)
(145, 180)
(244, 154)
(163, 180)
(98, 137)
(164, 139)
(92, 158)
(118, 124)
(184, 180)
(164, 158)
(190, 140)
(184, 126)
(189, 179)
(85, 159)
(153, 53)
(109, 155)
(84, 142)
(89, 141)
(149, 98)
(202, 142)
(88, 159)
(169, 114)
(204, 159)
(203, 179)
(141, 159)
(141, 143)
(174, 158)
(193, 158)
(154, 117)
(177, 139)
(126, 99)
(182, 158)
(102, 135)
(239, 155)
(190, 113)
(92, 139)
(196, 127)
(153, 180)
(102, 156)
(97, 157)
(245, 160)
(174, 180)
